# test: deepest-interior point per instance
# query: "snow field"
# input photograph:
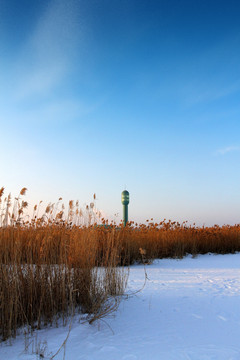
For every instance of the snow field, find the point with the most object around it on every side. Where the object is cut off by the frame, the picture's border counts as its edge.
(188, 310)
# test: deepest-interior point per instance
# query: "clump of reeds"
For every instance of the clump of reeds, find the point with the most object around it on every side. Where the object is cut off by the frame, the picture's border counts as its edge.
(170, 239)
(50, 269)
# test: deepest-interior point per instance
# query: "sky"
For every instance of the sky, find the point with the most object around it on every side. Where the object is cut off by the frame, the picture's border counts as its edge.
(143, 95)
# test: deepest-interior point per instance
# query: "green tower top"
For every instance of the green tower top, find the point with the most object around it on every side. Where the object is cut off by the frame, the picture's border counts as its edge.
(125, 197)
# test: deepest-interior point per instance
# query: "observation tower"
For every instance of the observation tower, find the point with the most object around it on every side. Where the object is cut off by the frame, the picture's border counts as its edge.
(125, 202)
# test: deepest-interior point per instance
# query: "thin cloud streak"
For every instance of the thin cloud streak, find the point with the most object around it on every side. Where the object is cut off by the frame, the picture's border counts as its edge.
(227, 149)
(48, 53)
(202, 87)
(41, 67)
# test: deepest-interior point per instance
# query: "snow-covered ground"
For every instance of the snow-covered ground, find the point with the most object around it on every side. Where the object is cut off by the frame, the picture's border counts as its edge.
(189, 309)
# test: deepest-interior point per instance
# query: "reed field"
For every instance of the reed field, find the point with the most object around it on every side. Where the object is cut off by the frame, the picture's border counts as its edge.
(54, 266)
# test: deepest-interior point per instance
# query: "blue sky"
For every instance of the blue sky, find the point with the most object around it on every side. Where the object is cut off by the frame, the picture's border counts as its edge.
(99, 95)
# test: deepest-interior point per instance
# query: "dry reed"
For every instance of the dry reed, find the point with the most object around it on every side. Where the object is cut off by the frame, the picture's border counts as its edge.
(51, 269)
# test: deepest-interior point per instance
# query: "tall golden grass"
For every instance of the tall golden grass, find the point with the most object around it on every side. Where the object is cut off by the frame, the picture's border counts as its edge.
(49, 272)
(50, 269)
(171, 239)
(52, 266)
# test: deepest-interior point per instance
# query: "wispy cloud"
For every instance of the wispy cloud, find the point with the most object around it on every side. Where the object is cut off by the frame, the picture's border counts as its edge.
(227, 149)
(213, 93)
(49, 51)
(51, 112)
(208, 79)
(41, 69)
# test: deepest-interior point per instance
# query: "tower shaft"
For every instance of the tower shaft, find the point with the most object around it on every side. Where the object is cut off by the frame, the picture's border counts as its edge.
(125, 214)
(125, 202)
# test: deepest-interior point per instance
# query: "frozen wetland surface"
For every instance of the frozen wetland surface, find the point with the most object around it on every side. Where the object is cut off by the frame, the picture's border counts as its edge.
(189, 309)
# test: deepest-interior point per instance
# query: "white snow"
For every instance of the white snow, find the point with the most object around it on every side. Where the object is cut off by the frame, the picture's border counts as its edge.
(189, 309)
